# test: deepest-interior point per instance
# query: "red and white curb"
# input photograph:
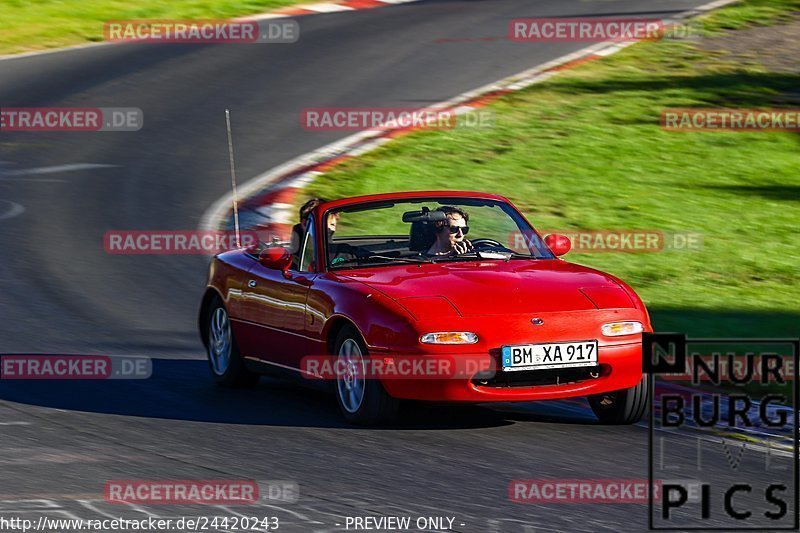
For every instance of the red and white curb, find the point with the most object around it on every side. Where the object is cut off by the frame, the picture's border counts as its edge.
(266, 201)
(327, 7)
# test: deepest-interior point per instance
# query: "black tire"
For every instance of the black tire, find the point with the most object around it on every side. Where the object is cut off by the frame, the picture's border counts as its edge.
(230, 370)
(376, 406)
(626, 406)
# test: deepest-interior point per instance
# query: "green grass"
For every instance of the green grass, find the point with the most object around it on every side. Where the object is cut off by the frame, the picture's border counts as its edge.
(751, 13)
(39, 24)
(585, 151)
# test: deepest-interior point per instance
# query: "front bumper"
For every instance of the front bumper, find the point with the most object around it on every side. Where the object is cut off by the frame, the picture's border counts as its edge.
(620, 367)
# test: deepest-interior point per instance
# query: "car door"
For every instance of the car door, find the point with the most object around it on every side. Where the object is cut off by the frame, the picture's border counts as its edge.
(275, 304)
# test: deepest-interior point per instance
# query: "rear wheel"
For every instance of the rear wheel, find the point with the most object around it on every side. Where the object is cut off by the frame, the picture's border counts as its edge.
(227, 365)
(361, 398)
(625, 406)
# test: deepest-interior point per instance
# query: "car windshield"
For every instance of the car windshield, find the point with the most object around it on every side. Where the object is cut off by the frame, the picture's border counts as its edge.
(428, 230)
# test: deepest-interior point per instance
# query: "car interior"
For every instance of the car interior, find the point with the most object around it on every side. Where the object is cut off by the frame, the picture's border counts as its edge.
(419, 239)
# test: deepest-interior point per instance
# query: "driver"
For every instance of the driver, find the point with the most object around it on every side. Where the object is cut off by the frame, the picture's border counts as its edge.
(450, 234)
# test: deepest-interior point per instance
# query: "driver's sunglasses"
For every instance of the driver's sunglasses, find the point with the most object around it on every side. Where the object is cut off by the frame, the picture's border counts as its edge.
(454, 229)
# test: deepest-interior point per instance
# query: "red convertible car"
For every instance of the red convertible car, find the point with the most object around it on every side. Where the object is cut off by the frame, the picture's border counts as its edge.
(427, 276)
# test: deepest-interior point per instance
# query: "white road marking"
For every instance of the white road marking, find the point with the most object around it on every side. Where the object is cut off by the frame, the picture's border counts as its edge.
(304, 179)
(55, 169)
(140, 509)
(14, 211)
(33, 180)
(89, 505)
(325, 8)
(15, 423)
(614, 49)
(277, 213)
(262, 16)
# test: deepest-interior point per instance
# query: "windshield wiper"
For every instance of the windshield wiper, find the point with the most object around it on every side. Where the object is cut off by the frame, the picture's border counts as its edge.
(469, 256)
(517, 255)
(401, 259)
(373, 257)
(492, 254)
(504, 255)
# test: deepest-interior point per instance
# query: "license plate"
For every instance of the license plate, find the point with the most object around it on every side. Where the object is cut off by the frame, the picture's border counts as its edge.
(550, 355)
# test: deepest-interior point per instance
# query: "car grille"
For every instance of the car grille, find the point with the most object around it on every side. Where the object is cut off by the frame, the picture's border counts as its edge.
(532, 378)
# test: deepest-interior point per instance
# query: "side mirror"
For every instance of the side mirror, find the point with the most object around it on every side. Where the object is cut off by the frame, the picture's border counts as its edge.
(558, 244)
(275, 258)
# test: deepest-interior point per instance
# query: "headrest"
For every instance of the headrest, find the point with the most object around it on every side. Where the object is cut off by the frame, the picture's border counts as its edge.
(421, 236)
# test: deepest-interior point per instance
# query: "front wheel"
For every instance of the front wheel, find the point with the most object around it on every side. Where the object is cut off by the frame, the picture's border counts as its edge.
(626, 406)
(360, 395)
(227, 365)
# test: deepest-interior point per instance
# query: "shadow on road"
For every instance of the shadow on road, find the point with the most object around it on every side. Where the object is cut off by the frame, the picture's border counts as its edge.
(770, 191)
(740, 89)
(182, 390)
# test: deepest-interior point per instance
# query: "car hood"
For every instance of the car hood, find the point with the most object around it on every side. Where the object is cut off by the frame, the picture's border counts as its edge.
(477, 288)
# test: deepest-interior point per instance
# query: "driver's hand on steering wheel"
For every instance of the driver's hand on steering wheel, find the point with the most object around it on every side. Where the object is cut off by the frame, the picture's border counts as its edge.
(463, 247)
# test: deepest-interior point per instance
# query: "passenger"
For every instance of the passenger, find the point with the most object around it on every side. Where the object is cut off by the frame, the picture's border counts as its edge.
(450, 234)
(333, 221)
(299, 230)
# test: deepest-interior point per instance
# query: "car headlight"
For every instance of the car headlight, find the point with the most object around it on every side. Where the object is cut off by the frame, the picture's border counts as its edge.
(449, 337)
(617, 329)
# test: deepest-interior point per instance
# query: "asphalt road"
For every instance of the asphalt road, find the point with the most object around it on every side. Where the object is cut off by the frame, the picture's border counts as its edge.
(63, 294)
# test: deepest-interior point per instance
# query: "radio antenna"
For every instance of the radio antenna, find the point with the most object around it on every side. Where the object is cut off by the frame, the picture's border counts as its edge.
(233, 178)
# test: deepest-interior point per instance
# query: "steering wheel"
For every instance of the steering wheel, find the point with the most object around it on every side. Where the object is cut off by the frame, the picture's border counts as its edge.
(487, 243)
